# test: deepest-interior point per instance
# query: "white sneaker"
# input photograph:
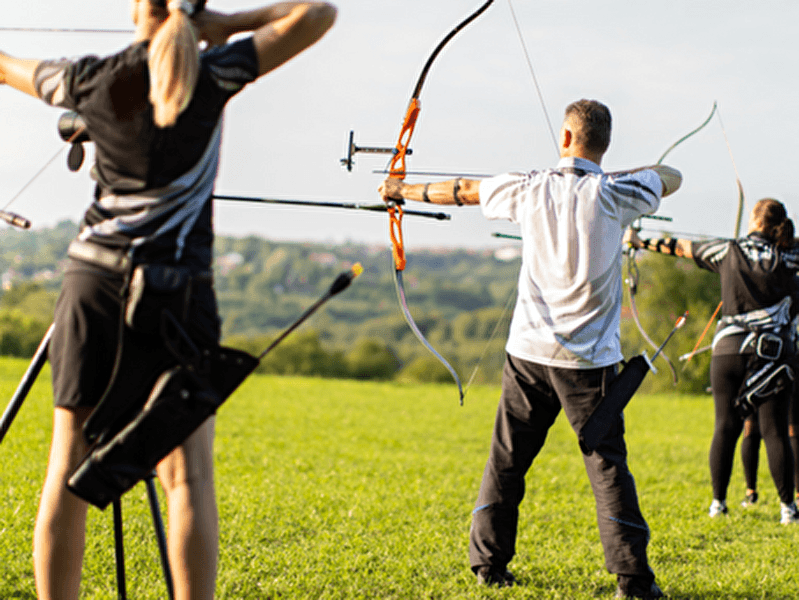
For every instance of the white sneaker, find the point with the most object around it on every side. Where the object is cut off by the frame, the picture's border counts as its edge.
(789, 513)
(718, 507)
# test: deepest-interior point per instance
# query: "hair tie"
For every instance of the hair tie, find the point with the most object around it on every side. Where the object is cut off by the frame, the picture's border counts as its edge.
(180, 5)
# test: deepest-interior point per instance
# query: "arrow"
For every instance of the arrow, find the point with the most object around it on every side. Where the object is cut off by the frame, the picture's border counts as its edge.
(318, 203)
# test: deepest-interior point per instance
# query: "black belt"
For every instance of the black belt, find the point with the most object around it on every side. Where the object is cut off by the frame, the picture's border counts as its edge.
(117, 260)
(113, 260)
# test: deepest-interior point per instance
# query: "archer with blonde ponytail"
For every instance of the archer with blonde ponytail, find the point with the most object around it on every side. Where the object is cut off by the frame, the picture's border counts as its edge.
(174, 64)
(154, 112)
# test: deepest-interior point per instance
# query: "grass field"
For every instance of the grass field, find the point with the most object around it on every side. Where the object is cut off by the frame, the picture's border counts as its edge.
(341, 489)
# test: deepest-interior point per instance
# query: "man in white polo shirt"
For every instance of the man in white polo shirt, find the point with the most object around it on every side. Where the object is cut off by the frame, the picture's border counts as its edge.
(564, 343)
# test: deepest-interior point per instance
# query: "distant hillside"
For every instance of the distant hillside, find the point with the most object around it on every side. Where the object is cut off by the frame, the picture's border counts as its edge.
(456, 296)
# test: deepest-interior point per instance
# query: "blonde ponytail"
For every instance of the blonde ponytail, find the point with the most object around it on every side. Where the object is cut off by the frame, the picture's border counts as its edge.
(174, 64)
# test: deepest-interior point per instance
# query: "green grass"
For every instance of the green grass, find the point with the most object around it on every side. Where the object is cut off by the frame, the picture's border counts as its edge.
(341, 489)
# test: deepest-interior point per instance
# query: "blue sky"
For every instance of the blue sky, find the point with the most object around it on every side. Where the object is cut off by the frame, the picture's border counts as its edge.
(659, 66)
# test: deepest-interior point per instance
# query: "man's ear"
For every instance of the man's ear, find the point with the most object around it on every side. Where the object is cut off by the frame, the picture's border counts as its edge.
(566, 138)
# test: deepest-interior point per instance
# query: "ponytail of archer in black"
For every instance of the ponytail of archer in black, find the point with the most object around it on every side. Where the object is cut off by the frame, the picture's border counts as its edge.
(773, 222)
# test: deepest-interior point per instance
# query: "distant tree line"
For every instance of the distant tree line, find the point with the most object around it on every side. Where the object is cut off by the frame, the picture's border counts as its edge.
(456, 297)
(460, 299)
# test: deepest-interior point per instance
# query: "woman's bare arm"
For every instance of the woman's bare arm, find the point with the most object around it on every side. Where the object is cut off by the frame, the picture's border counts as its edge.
(18, 73)
(280, 31)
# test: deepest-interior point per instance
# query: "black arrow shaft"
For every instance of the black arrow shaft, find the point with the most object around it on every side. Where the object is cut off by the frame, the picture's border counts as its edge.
(316, 203)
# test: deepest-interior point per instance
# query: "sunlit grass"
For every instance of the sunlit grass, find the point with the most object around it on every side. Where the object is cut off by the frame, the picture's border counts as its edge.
(343, 489)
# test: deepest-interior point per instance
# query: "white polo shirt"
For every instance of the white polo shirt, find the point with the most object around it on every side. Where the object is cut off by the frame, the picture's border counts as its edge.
(572, 220)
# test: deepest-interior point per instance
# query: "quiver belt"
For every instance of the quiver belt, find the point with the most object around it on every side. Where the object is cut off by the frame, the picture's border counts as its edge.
(180, 402)
(768, 371)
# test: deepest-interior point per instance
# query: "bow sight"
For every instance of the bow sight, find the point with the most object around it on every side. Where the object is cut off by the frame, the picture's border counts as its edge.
(353, 149)
(72, 129)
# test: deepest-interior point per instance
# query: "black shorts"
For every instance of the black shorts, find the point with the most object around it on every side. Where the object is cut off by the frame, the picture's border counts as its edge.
(83, 350)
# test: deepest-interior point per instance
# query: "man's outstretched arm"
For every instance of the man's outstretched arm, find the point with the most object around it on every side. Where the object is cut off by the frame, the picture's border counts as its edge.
(454, 191)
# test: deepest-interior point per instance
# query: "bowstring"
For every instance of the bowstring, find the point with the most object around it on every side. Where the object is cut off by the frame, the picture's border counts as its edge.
(533, 75)
(71, 139)
(737, 177)
(34, 178)
(509, 301)
(500, 322)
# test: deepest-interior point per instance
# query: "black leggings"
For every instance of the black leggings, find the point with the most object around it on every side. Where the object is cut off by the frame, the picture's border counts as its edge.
(750, 451)
(750, 444)
(726, 375)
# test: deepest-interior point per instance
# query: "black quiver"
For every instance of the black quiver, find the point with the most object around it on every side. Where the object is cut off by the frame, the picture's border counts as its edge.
(620, 392)
(182, 399)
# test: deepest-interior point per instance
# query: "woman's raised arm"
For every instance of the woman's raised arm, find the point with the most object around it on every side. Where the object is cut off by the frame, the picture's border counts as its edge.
(280, 31)
(18, 73)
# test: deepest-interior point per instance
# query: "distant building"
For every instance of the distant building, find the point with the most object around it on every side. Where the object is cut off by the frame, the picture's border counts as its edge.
(228, 262)
(327, 259)
(7, 279)
(508, 253)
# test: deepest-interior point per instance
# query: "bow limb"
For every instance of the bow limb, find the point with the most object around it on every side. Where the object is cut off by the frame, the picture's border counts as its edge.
(65, 30)
(418, 333)
(689, 134)
(417, 90)
(397, 167)
(395, 220)
(741, 202)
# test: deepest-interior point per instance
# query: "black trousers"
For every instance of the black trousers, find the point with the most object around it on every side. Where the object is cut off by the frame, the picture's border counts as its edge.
(532, 396)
